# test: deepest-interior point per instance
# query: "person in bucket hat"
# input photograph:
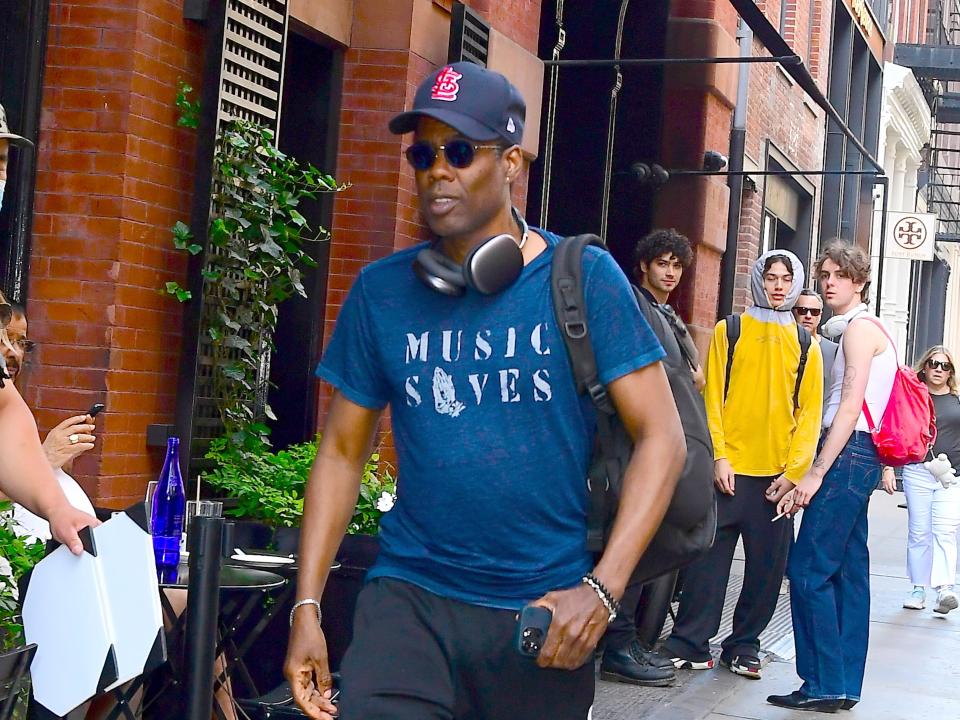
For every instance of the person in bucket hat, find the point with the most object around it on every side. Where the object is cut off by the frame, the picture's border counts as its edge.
(7, 139)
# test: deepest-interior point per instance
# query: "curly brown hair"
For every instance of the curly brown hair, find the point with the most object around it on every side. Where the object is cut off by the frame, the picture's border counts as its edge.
(921, 366)
(852, 260)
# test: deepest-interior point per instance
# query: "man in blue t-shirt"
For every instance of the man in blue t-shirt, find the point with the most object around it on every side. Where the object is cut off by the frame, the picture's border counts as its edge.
(458, 338)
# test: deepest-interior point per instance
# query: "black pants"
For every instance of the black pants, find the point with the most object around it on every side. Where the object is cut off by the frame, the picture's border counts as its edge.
(643, 610)
(418, 656)
(766, 544)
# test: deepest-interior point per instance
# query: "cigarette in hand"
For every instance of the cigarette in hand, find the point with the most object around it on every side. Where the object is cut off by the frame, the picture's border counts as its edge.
(779, 516)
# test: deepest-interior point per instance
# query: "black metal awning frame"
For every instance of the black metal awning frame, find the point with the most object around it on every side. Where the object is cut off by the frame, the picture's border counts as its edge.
(780, 53)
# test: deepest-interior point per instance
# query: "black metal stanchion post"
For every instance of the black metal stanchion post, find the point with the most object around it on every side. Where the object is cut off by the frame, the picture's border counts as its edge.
(203, 606)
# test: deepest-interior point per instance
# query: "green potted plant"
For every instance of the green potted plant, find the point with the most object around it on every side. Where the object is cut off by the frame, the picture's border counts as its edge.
(18, 554)
(268, 485)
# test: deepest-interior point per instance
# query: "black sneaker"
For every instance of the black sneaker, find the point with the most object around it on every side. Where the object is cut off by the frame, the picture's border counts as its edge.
(746, 665)
(635, 666)
(681, 663)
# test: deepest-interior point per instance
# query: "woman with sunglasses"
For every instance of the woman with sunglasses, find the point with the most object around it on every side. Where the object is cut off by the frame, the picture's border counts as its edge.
(934, 511)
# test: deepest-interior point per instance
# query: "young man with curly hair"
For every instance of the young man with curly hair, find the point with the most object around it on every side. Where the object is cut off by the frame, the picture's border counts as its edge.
(660, 260)
(829, 565)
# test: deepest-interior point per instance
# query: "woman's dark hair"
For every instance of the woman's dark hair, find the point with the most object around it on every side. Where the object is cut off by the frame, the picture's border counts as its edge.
(773, 259)
(663, 242)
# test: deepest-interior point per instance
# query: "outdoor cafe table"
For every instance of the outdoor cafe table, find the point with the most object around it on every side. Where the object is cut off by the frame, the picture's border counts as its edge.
(241, 588)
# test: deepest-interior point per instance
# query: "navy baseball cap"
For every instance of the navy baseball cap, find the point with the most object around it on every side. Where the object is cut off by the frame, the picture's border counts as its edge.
(480, 103)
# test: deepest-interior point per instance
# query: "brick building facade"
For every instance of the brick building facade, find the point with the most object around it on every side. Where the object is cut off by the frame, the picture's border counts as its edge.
(114, 172)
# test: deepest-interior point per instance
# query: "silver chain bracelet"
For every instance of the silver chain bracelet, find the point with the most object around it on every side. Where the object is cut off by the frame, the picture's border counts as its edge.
(307, 601)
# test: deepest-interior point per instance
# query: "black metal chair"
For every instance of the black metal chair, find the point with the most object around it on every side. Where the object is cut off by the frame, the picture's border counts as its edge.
(13, 666)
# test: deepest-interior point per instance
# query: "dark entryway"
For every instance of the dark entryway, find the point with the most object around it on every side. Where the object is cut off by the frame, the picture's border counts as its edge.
(308, 132)
(22, 46)
(575, 199)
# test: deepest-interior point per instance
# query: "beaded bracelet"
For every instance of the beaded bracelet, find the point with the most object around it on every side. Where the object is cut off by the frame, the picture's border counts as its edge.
(610, 603)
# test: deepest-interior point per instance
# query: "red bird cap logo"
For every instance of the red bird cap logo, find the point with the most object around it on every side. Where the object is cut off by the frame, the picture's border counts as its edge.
(447, 86)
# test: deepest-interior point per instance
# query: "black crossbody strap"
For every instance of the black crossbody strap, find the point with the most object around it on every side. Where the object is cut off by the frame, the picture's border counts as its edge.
(733, 334)
(803, 335)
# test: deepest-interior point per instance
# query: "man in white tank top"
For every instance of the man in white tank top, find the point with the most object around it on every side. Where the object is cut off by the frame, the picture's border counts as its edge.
(829, 567)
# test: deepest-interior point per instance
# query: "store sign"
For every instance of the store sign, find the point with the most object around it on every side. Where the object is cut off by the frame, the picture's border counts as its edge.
(911, 236)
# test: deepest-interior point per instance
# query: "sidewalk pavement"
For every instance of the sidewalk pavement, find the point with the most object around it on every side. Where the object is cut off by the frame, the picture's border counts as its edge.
(913, 666)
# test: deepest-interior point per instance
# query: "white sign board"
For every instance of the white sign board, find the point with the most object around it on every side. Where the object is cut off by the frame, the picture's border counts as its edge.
(911, 235)
(96, 618)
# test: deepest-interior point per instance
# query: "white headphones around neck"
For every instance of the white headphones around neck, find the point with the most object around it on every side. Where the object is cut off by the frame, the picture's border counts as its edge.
(834, 327)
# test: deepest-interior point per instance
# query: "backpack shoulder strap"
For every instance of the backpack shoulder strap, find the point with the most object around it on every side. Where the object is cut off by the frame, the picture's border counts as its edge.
(566, 285)
(803, 335)
(566, 278)
(733, 334)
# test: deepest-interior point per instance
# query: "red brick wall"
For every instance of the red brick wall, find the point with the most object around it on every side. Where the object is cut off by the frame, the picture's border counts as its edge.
(113, 175)
(778, 111)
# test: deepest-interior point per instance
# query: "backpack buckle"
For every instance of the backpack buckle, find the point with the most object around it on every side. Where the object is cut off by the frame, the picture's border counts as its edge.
(597, 392)
(576, 329)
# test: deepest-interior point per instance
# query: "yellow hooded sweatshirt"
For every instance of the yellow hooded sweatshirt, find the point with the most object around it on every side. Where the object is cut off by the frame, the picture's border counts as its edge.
(757, 429)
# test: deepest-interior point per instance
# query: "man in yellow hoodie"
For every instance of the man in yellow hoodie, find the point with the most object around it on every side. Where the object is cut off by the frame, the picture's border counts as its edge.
(765, 421)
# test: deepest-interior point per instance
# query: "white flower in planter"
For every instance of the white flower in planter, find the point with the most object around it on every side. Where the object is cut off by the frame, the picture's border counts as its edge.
(385, 502)
(6, 569)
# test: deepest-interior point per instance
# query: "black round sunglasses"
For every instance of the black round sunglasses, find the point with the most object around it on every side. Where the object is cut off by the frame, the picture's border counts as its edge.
(459, 153)
(942, 364)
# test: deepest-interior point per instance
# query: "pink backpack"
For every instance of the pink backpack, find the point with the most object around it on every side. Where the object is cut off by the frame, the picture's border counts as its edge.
(908, 426)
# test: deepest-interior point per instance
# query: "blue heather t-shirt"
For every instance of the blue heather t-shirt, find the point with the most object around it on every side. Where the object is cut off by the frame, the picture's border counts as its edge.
(492, 440)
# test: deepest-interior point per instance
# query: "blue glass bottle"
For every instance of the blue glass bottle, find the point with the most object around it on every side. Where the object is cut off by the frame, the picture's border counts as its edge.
(169, 505)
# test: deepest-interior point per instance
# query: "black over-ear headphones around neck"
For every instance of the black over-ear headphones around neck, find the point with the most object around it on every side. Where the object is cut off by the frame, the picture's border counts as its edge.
(491, 267)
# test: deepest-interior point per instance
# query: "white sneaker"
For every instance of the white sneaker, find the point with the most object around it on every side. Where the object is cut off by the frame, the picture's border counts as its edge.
(917, 599)
(946, 601)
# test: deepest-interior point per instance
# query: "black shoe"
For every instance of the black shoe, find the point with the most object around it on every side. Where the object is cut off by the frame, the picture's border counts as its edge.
(634, 665)
(746, 665)
(848, 704)
(798, 701)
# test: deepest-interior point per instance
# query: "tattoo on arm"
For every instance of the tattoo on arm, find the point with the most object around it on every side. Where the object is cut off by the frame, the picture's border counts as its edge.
(819, 463)
(849, 375)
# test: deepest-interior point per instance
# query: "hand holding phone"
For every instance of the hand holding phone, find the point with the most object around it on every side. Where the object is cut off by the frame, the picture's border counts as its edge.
(532, 626)
(96, 409)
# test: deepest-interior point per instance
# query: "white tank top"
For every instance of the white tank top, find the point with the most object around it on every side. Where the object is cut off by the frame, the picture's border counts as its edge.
(883, 369)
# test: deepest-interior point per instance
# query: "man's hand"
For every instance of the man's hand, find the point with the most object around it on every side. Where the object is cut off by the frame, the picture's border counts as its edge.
(801, 495)
(889, 479)
(57, 445)
(778, 488)
(723, 476)
(699, 379)
(579, 621)
(65, 524)
(307, 668)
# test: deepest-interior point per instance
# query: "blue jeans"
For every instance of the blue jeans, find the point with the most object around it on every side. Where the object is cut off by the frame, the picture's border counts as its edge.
(829, 571)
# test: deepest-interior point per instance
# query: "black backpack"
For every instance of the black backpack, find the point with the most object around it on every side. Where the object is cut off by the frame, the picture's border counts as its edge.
(733, 334)
(689, 526)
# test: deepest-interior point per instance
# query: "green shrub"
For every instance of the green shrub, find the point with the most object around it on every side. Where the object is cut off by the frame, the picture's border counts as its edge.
(269, 485)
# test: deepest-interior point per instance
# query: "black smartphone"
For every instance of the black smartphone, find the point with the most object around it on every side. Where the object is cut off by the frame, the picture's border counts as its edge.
(96, 409)
(532, 626)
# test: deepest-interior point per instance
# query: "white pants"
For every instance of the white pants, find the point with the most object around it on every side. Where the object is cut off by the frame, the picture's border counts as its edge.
(934, 513)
